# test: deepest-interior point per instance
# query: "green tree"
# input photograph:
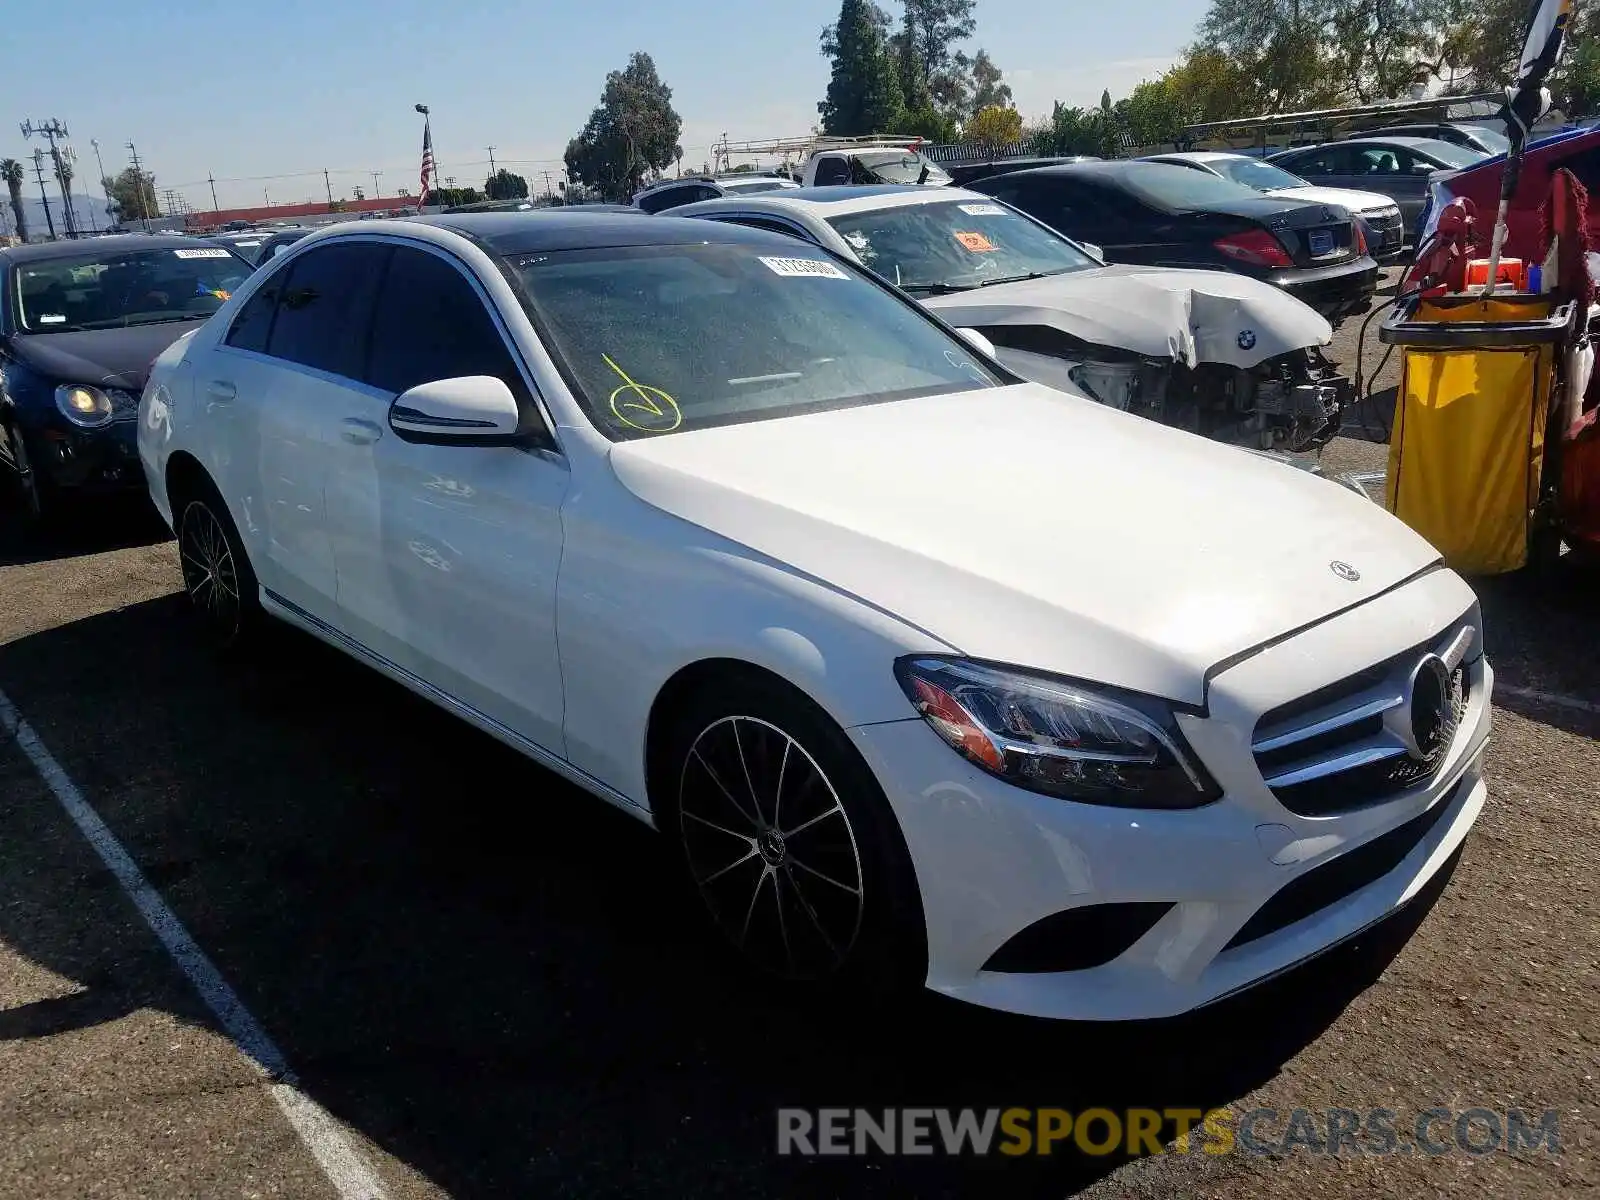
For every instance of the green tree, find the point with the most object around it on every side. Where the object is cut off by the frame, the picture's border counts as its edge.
(11, 172)
(864, 91)
(933, 71)
(133, 195)
(503, 185)
(989, 89)
(634, 129)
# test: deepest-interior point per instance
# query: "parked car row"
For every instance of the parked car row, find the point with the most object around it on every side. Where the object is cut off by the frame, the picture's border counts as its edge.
(928, 675)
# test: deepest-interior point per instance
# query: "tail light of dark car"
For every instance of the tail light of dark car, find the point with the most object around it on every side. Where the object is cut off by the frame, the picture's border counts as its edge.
(1256, 247)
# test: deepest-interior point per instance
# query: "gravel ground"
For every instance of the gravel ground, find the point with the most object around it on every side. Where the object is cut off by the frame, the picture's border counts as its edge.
(486, 979)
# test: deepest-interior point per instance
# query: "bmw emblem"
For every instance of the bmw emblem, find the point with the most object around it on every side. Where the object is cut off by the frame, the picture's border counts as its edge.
(1247, 339)
(1344, 571)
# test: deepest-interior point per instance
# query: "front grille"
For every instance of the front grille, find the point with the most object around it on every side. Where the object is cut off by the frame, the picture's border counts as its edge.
(1373, 735)
(1388, 229)
(1326, 885)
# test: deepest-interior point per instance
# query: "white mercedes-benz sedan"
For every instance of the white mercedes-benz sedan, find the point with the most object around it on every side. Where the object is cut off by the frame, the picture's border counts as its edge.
(928, 674)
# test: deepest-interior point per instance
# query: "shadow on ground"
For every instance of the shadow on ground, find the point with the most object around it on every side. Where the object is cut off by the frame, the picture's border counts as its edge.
(81, 529)
(491, 975)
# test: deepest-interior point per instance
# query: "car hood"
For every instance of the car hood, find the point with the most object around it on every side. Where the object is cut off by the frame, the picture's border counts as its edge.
(1344, 197)
(1025, 526)
(1159, 312)
(119, 358)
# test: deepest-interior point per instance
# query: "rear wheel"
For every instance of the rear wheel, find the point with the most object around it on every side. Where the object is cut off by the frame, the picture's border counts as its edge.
(789, 842)
(216, 574)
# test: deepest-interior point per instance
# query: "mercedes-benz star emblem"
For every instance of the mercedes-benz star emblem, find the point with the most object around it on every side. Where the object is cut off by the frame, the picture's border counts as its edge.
(1430, 708)
(1344, 571)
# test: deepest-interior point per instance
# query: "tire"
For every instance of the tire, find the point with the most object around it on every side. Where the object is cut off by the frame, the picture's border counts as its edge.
(788, 842)
(217, 575)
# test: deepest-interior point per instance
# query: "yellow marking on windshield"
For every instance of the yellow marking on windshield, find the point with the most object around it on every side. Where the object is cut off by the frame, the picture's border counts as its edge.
(665, 419)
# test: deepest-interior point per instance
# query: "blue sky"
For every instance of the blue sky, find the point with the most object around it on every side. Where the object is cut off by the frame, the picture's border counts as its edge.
(287, 89)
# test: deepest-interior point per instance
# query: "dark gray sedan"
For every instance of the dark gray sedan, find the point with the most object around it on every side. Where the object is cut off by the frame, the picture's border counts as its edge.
(1398, 167)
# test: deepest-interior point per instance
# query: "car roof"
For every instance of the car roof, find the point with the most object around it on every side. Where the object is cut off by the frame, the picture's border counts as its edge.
(78, 248)
(553, 229)
(823, 202)
(1197, 156)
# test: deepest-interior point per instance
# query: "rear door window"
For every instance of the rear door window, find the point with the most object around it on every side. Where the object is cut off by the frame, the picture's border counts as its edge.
(324, 306)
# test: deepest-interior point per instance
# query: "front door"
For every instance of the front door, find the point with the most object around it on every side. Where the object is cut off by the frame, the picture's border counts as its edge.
(447, 555)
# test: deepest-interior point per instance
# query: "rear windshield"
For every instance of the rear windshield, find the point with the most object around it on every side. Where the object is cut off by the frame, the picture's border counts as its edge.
(1448, 153)
(1178, 188)
(133, 287)
(656, 340)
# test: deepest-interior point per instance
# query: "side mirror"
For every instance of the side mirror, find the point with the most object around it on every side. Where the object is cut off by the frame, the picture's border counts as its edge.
(472, 410)
(977, 341)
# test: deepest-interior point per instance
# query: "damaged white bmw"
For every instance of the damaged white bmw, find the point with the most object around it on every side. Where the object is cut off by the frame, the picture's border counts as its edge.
(1218, 354)
(927, 675)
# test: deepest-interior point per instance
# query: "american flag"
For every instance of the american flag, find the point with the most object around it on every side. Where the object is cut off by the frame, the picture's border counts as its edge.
(427, 163)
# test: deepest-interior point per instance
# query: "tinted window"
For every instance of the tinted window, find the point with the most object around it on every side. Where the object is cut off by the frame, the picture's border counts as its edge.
(322, 311)
(429, 324)
(668, 198)
(1586, 167)
(1175, 189)
(1328, 161)
(771, 225)
(832, 170)
(254, 322)
(1448, 155)
(119, 288)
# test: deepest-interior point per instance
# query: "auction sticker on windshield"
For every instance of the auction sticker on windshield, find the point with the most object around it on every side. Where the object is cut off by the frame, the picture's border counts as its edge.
(206, 253)
(975, 242)
(982, 210)
(803, 268)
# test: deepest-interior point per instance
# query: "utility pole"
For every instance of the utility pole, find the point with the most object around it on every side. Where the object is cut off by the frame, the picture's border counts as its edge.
(376, 194)
(139, 188)
(51, 130)
(491, 162)
(38, 169)
(215, 207)
(95, 142)
(328, 184)
(549, 192)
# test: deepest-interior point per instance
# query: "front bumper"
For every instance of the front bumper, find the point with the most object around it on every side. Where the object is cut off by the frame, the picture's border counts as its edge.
(87, 460)
(993, 860)
(1337, 292)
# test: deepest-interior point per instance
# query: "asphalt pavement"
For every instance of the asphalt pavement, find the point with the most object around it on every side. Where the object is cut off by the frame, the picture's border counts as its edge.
(493, 986)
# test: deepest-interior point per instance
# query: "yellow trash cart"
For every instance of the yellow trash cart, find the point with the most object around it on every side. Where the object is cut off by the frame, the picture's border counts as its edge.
(1468, 467)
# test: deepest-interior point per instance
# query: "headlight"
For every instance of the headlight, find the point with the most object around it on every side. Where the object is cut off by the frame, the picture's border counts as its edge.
(85, 407)
(1058, 737)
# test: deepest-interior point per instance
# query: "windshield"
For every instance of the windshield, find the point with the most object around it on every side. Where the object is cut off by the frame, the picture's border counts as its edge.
(1179, 188)
(1253, 173)
(1449, 154)
(660, 339)
(957, 244)
(1494, 143)
(134, 287)
(900, 166)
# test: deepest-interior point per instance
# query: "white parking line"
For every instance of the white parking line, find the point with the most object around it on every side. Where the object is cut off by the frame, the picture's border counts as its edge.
(350, 1175)
(1549, 698)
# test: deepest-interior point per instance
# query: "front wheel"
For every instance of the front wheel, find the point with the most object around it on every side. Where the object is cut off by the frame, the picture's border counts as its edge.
(216, 574)
(789, 842)
(30, 488)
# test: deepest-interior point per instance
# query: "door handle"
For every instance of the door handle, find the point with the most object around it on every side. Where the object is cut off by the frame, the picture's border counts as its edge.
(358, 432)
(221, 389)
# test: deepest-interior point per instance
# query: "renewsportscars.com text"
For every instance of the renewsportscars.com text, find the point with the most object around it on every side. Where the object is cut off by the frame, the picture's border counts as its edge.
(1142, 1131)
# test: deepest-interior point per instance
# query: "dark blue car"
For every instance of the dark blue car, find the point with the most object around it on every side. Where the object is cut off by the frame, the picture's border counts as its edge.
(80, 324)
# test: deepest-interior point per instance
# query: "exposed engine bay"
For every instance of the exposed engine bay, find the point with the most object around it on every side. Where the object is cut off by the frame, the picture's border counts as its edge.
(1292, 402)
(1222, 355)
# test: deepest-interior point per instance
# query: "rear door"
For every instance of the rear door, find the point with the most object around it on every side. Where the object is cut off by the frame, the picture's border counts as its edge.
(293, 393)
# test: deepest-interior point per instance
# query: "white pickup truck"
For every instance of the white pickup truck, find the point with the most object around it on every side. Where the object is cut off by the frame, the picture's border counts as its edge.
(881, 162)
